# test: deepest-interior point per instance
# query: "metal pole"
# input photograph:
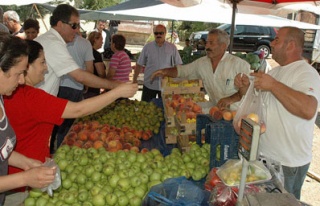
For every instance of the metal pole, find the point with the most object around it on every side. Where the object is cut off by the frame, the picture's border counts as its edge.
(234, 8)
(36, 8)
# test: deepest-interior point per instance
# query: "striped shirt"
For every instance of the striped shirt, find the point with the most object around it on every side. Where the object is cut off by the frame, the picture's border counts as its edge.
(122, 63)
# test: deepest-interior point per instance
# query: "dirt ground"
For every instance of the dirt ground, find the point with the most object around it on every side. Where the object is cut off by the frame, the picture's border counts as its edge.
(311, 187)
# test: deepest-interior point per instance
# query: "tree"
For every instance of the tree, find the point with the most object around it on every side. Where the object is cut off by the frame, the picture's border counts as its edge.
(95, 4)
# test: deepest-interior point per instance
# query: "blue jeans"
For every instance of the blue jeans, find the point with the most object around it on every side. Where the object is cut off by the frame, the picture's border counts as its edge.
(294, 178)
(59, 132)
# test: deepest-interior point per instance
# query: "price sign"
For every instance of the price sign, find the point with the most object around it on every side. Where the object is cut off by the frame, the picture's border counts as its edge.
(249, 139)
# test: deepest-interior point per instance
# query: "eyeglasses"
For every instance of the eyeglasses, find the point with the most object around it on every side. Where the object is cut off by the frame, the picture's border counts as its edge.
(73, 25)
(158, 33)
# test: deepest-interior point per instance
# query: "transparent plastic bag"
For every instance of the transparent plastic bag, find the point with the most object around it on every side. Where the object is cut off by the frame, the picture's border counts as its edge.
(176, 192)
(253, 107)
(57, 180)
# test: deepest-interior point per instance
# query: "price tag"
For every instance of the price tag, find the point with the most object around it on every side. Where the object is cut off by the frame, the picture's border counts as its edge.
(249, 139)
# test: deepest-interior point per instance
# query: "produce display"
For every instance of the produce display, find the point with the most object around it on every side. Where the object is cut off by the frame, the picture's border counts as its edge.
(96, 135)
(96, 177)
(219, 114)
(137, 115)
(176, 82)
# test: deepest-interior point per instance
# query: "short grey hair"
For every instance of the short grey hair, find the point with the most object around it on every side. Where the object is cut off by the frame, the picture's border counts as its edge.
(223, 36)
(12, 15)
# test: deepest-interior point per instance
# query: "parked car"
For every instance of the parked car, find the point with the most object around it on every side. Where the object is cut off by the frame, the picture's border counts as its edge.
(248, 38)
(196, 36)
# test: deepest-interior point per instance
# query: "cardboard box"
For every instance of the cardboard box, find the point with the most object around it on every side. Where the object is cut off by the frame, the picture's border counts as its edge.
(180, 86)
(183, 143)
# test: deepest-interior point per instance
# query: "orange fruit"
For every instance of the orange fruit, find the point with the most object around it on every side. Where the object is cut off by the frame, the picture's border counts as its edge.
(254, 117)
(213, 110)
(227, 115)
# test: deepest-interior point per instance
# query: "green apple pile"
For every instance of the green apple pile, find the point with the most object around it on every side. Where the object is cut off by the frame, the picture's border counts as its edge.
(126, 113)
(96, 177)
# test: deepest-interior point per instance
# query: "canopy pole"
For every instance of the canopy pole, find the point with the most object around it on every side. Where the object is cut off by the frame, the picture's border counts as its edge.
(234, 8)
(36, 8)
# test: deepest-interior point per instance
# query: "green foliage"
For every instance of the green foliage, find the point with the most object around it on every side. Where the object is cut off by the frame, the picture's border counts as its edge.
(187, 58)
(186, 28)
(96, 4)
(27, 11)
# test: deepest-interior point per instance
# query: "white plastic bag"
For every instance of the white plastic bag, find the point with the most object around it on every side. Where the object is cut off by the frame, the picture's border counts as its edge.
(252, 107)
(57, 180)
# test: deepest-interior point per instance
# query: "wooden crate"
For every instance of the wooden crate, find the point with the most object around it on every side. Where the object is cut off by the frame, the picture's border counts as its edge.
(183, 143)
(180, 86)
(170, 135)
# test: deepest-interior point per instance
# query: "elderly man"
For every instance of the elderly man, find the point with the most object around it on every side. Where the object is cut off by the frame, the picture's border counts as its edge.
(156, 55)
(217, 70)
(12, 20)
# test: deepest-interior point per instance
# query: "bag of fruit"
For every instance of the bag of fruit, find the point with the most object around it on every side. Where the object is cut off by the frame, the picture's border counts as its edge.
(252, 107)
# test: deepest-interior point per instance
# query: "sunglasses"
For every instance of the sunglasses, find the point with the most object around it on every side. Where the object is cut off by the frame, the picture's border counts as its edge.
(158, 33)
(72, 25)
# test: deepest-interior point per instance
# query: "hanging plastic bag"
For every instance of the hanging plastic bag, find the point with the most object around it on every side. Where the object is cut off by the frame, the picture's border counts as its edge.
(57, 180)
(252, 107)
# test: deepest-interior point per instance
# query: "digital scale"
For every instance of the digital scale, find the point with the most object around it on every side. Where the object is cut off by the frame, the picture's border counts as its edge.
(248, 148)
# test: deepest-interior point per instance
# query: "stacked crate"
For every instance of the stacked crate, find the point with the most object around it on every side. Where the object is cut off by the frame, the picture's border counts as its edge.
(178, 126)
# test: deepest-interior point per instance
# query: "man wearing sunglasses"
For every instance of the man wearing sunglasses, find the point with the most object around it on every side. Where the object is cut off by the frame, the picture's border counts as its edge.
(64, 26)
(156, 55)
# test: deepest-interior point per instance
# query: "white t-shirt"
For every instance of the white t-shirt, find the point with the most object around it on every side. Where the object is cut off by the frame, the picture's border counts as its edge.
(219, 84)
(58, 59)
(288, 138)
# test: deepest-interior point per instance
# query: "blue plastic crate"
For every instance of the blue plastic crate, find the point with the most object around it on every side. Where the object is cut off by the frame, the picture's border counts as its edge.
(218, 132)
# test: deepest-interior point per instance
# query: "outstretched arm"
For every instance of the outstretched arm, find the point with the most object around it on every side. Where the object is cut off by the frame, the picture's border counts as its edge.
(167, 72)
(94, 104)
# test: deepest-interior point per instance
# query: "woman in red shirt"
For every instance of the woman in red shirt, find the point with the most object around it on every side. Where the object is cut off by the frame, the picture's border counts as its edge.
(32, 112)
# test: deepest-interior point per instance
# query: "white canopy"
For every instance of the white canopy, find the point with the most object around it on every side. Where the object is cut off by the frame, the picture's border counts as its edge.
(206, 11)
(22, 2)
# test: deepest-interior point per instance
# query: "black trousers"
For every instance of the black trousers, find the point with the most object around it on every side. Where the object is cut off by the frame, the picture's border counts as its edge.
(148, 94)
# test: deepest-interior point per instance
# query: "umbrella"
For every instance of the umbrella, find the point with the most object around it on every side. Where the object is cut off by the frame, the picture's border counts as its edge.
(261, 7)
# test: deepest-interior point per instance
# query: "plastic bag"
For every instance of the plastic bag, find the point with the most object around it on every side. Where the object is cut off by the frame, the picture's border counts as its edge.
(223, 195)
(230, 172)
(176, 192)
(212, 179)
(57, 180)
(253, 107)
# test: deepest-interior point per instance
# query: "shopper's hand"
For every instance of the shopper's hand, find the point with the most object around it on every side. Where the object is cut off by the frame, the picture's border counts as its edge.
(263, 81)
(127, 90)
(224, 103)
(241, 81)
(39, 177)
(159, 73)
(31, 163)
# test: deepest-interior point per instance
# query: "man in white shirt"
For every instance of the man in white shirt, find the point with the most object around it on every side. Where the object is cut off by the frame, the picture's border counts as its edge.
(64, 22)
